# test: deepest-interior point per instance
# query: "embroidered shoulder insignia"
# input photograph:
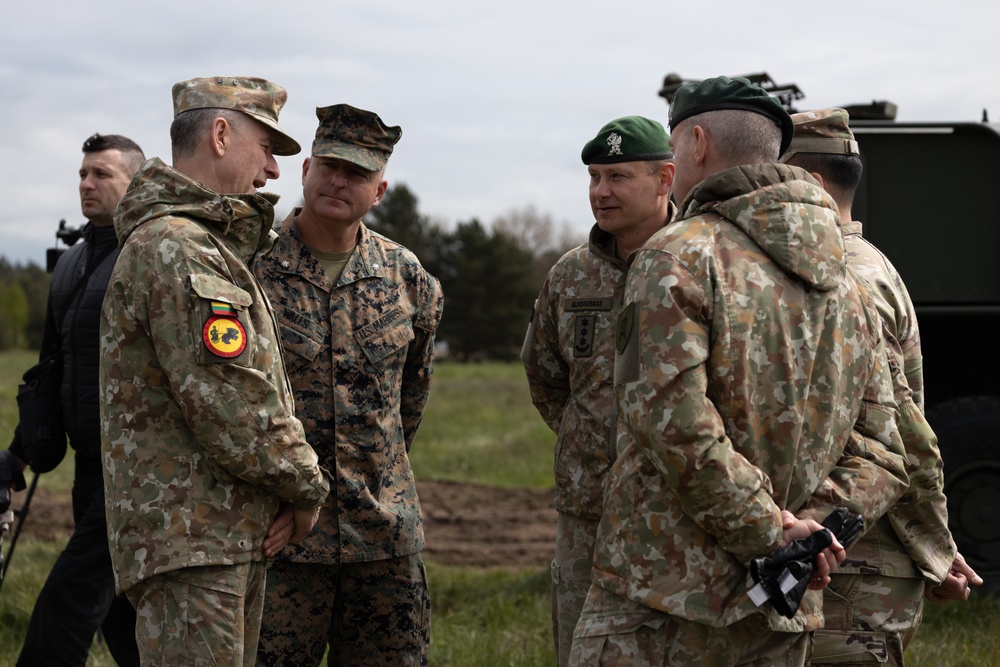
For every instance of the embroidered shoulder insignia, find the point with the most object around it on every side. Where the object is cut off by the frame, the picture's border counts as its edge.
(224, 336)
(624, 328)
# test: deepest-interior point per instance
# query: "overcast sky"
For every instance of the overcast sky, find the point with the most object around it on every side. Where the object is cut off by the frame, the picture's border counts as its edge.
(495, 99)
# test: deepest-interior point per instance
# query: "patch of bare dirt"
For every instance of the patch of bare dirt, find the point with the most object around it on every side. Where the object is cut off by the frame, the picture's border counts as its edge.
(467, 525)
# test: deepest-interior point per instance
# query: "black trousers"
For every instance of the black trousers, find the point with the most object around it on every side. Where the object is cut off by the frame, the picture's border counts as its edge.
(79, 594)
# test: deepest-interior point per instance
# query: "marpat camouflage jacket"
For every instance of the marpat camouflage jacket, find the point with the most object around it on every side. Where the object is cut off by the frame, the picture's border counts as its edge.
(569, 358)
(750, 377)
(199, 437)
(359, 354)
(912, 539)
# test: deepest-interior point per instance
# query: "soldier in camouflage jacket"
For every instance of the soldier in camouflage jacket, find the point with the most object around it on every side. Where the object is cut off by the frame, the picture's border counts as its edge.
(753, 397)
(569, 352)
(201, 444)
(873, 605)
(357, 328)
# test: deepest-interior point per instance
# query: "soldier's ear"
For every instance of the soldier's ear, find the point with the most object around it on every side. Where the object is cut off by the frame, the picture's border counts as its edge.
(380, 192)
(667, 178)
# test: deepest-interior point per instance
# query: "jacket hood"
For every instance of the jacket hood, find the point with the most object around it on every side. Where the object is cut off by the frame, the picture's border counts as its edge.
(785, 211)
(158, 190)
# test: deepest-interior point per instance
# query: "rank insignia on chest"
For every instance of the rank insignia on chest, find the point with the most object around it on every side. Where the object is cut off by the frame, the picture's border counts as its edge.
(583, 336)
(224, 336)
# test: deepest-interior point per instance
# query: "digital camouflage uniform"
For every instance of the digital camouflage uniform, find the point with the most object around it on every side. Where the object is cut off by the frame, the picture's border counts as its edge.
(874, 602)
(200, 440)
(749, 378)
(371, 332)
(568, 355)
(359, 350)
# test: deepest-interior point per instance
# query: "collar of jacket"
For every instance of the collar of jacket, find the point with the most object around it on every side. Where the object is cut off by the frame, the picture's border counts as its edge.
(243, 221)
(784, 211)
(292, 256)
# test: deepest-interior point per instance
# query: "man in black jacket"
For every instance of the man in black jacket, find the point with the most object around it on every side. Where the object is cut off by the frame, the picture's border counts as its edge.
(79, 595)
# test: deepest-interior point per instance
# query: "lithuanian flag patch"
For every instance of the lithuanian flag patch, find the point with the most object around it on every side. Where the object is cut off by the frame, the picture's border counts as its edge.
(222, 308)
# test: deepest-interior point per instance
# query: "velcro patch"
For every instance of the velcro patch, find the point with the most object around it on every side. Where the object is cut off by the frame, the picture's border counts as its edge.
(587, 303)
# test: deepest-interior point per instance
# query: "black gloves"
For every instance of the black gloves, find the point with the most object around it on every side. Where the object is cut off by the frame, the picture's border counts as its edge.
(784, 576)
(11, 478)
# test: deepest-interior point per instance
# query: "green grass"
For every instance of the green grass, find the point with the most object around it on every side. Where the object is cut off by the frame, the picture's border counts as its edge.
(479, 427)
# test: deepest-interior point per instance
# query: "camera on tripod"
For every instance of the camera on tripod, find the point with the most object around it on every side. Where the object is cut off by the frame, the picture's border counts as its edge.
(68, 235)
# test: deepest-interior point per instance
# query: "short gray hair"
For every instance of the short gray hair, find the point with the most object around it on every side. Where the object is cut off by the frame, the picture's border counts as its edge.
(188, 127)
(741, 137)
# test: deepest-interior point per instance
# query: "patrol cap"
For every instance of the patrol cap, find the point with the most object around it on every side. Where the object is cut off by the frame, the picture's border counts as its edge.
(628, 139)
(723, 92)
(254, 96)
(354, 135)
(822, 131)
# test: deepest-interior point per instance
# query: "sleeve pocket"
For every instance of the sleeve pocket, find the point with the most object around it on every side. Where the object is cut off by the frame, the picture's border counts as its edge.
(215, 288)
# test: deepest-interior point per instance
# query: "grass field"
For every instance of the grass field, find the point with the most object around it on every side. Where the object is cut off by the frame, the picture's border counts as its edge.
(479, 427)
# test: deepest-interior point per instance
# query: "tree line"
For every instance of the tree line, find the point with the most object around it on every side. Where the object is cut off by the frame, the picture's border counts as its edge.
(490, 276)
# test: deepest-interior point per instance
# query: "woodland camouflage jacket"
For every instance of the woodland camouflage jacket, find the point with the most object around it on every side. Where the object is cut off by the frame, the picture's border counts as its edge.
(359, 353)
(912, 539)
(750, 377)
(200, 440)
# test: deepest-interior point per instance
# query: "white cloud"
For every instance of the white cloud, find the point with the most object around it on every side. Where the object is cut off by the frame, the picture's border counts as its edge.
(495, 100)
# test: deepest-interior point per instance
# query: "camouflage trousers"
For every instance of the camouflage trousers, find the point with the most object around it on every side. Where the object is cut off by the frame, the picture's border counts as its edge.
(575, 538)
(616, 632)
(372, 613)
(870, 619)
(200, 616)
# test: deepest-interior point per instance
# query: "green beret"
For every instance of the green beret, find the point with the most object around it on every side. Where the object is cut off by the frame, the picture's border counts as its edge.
(354, 135)
(628, 139)
(258, 98)
(722, 92)
(822, 131)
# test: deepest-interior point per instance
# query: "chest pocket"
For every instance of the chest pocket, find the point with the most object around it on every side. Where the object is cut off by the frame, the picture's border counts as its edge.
(385, 336)
(221, 320)
(300, 336)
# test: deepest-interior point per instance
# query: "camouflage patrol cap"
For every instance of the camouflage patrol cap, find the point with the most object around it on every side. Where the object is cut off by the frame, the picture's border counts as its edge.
(721, 93)
(628, 139)
(256, 97)
(354, 135)
(822, 131)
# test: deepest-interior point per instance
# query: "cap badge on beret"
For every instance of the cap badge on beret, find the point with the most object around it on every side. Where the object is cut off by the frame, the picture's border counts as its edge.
(615, 141)
(628, 139)
(258, 98)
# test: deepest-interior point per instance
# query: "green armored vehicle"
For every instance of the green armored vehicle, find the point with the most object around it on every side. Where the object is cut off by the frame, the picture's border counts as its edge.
(930, 200)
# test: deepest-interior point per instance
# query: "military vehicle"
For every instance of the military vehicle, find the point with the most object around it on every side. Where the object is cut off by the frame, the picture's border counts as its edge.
(927, 200)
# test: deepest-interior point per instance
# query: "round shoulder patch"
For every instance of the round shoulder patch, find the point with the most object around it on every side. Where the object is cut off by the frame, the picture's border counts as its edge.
(224, 336)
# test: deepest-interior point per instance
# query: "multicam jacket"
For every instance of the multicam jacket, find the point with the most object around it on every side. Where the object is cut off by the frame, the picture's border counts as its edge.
(199, 437)
(359, 353)
(569, 357)
(912, 539)
(750, 377)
